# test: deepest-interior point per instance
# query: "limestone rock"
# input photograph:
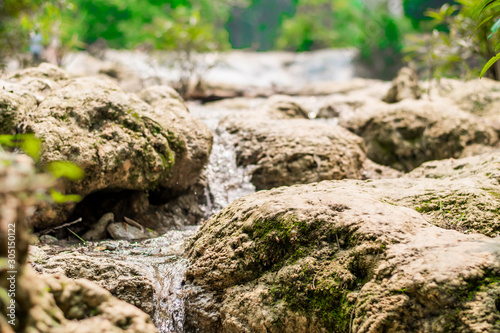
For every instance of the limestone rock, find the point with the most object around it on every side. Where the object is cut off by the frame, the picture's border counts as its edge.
(295, 151)
(283, 107)
(126, 281)
(120, 142)
(62, 305)
(406, 134)
(480, 97)
(485, 167)
(334, 256)
(194, 138)
(404, 86)
(43, 71)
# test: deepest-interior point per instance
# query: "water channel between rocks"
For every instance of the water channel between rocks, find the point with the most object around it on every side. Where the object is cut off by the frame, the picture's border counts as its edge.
(226, 183)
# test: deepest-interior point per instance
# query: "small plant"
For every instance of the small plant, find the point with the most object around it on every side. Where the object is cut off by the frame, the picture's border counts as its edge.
(458, 45)
(490, 9)
(30, 145)
(192, 43)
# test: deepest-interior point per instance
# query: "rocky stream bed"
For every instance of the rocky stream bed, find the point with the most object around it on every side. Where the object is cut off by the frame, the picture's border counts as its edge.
(352, 205)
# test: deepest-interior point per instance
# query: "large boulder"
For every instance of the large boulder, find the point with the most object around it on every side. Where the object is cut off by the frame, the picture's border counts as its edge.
(334, 257)
(120, 141)
(406, 134)
(294, 151)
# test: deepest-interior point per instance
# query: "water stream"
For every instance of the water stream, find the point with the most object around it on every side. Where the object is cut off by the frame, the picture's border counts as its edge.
(226, 183)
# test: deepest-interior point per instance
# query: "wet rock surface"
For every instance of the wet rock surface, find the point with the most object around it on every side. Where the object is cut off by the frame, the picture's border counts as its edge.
(142, 273)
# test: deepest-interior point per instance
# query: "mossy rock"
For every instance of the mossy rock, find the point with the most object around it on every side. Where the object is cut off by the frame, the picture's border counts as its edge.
(337, 257)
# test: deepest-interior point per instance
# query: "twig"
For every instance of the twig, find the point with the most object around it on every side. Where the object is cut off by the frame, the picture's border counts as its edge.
(315, 275)
(133, 223)
(80, 238)
(44, 232)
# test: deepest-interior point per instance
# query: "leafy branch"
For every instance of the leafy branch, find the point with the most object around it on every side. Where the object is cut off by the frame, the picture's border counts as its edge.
(493, 19)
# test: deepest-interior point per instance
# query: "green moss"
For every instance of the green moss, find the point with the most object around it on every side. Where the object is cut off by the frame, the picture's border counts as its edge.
(319, 275)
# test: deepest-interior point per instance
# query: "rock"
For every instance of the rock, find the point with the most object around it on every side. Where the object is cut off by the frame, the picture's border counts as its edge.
(295, 151)
(120, 142)
(45, 303)
(283, 107)
(406, 134)
(343, 105)
(62, 305)
(404, 86)
(480, 97)
(16, 109)
(485, 168)
(159, 95)
(43, 71)
(48, 239)
(194, 138)
(127, 281)
(111, 135)
(121, 230)
(98, 230)
(372, 170)
(333, 256)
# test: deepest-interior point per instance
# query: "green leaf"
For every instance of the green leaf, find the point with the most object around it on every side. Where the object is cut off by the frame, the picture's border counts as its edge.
(481, 24)
(489, 64)
(482, 7)
(31, 146)
(494, 28)
(62, 198)
(7, 140)
(66, 169)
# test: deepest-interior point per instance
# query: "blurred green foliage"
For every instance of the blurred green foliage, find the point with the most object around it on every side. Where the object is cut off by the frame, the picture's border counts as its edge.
(416, 9)
(192, 26)
(258, 25)
(381, 42)
(165, 25)
(322, 23)
(462, 49)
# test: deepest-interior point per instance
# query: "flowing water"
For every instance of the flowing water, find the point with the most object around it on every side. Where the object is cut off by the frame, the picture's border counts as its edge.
(226, 183)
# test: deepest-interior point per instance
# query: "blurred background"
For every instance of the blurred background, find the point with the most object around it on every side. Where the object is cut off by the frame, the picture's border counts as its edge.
(434, 35)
